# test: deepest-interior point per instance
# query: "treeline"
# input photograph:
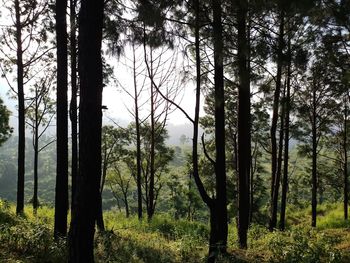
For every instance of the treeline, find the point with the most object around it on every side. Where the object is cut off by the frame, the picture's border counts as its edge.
(269, 71)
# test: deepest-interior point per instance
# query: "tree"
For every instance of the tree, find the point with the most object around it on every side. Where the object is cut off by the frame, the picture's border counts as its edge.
(5, 129)
(218, 206)
(275, 169)
(119, 181)
(162, 156)
(287, 103)
(61, 194)
(29, 29)
(74, 93)
(162, 89)
(138, 139)
(113, 142)
(85, 206)
(40, 113)
(314, 111)
(244, 125)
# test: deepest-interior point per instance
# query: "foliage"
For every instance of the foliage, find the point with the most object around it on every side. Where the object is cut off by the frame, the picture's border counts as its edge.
(5, 129)
(29, 239)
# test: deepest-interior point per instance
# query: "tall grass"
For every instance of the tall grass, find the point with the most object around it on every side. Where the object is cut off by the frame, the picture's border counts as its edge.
(163, 239)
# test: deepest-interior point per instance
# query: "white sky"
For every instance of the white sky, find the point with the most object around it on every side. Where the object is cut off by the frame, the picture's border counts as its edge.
(114, 98)
(118, 101)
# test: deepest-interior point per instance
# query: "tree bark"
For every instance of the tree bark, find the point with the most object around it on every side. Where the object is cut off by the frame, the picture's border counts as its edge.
(90, 120)
(273, 130)
(286, 144)
(74, 94)
(345, 148)
(244, 125)
(99, 218)
(61, 193)
(314, 158)
(138, 142)
(219, 243)
(277, 183)
(36, 155)
(21, 113)
(127, 211)
(150, 208)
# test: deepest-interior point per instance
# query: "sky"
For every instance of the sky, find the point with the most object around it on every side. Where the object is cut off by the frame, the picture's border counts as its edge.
(117, 100)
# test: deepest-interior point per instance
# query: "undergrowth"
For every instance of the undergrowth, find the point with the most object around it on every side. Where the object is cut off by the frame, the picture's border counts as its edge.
(29, 239)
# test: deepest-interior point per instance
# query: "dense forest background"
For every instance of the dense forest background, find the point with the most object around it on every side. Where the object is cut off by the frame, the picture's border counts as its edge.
(259, 170)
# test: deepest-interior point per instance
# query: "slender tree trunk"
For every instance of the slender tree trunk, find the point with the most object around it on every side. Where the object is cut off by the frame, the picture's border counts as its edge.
(104, 171)
(345, 144)
(314, 159)
(81, 240)
(218, 241)
(36, 154)
(251, 184)
(244, 126)
(218, 211)
(35, 195)
(189, 206)
(150, 211)
(74, 94)
(138, 142)
(21, 114)
(277, 183)
(195, 171)
(286, 144)
(99, 218)
(61, 193)
(273, 130)
(127, 210)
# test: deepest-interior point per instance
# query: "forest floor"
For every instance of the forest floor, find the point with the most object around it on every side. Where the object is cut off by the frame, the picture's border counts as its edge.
(29, 239)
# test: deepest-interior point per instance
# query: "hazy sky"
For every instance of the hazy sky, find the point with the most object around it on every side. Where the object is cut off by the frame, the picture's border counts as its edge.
(118, 101)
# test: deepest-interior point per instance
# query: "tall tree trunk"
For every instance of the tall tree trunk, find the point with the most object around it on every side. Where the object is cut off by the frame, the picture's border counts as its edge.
(61, 193)
(286, 143)
(273, 130)
(90, 121)
(195, 170)
(138, 141)
(150, 211)
(244, 125)
(218, 213)
(36, 153)
(314, 158)
(74, 94)
(21, 114)
(277, 183)
(345, 169)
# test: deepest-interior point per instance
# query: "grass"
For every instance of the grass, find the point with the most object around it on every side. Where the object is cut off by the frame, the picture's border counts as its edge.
(29, 239)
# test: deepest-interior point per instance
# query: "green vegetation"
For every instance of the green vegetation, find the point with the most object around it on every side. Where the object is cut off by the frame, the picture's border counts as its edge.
(29, 239)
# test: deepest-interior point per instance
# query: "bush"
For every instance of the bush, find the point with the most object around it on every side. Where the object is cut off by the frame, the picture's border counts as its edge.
(303, 245)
